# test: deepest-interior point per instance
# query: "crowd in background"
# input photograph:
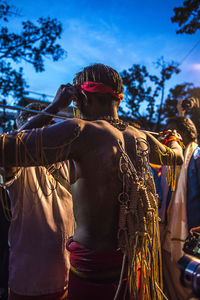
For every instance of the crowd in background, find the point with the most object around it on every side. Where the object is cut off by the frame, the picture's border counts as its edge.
(37, 226)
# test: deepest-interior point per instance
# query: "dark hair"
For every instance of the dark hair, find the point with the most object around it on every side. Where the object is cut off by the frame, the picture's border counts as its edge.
(184, 125)
(23, 116)
(100, 73)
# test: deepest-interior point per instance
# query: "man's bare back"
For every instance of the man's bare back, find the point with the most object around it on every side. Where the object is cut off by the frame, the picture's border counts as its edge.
(95, 193)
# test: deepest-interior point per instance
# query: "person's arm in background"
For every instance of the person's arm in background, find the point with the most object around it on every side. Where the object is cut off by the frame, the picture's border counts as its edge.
(180, 109)
(160, 155)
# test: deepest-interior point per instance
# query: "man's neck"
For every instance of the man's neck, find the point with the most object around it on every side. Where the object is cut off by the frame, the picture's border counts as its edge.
(104, 113)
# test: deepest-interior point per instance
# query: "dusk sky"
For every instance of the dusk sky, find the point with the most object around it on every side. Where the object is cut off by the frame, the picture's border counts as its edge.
(118, 33)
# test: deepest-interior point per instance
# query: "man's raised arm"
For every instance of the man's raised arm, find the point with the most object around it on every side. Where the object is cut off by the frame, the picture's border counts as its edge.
(41, 146)
(62, 100)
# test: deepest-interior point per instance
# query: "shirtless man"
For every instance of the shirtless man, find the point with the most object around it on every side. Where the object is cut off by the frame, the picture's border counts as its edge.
(96, 144)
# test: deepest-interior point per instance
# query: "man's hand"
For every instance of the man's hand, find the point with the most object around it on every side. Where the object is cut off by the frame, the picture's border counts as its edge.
(195, 229)
(64, 96)
(165, 135)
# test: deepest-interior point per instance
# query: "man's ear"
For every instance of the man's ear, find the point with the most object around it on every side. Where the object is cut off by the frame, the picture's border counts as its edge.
(118, 103)
(84, 97)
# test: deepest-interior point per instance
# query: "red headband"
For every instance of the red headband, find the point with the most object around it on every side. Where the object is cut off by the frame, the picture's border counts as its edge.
(98, 87)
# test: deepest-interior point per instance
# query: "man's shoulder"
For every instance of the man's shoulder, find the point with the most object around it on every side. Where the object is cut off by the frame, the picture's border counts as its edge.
(102, 128)
(135, 132)
(80, 124)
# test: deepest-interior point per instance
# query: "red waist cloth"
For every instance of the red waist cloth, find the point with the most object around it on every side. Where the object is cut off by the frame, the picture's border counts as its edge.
(86, 264)
(55, 296)
(89, 260)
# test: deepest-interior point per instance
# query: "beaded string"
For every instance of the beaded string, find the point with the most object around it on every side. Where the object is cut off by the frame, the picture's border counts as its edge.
(76, 113)
(24, 157)
(171, 162)
(138, 234)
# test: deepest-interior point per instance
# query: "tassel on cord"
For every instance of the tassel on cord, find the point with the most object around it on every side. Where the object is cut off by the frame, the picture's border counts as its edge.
(138, 233)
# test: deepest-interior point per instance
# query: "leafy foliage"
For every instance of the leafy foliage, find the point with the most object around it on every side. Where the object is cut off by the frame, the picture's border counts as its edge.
(144, 90)
(187, 16)
(32, 45)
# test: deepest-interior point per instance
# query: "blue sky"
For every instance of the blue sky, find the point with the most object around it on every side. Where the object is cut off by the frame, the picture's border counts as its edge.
(118, 33)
